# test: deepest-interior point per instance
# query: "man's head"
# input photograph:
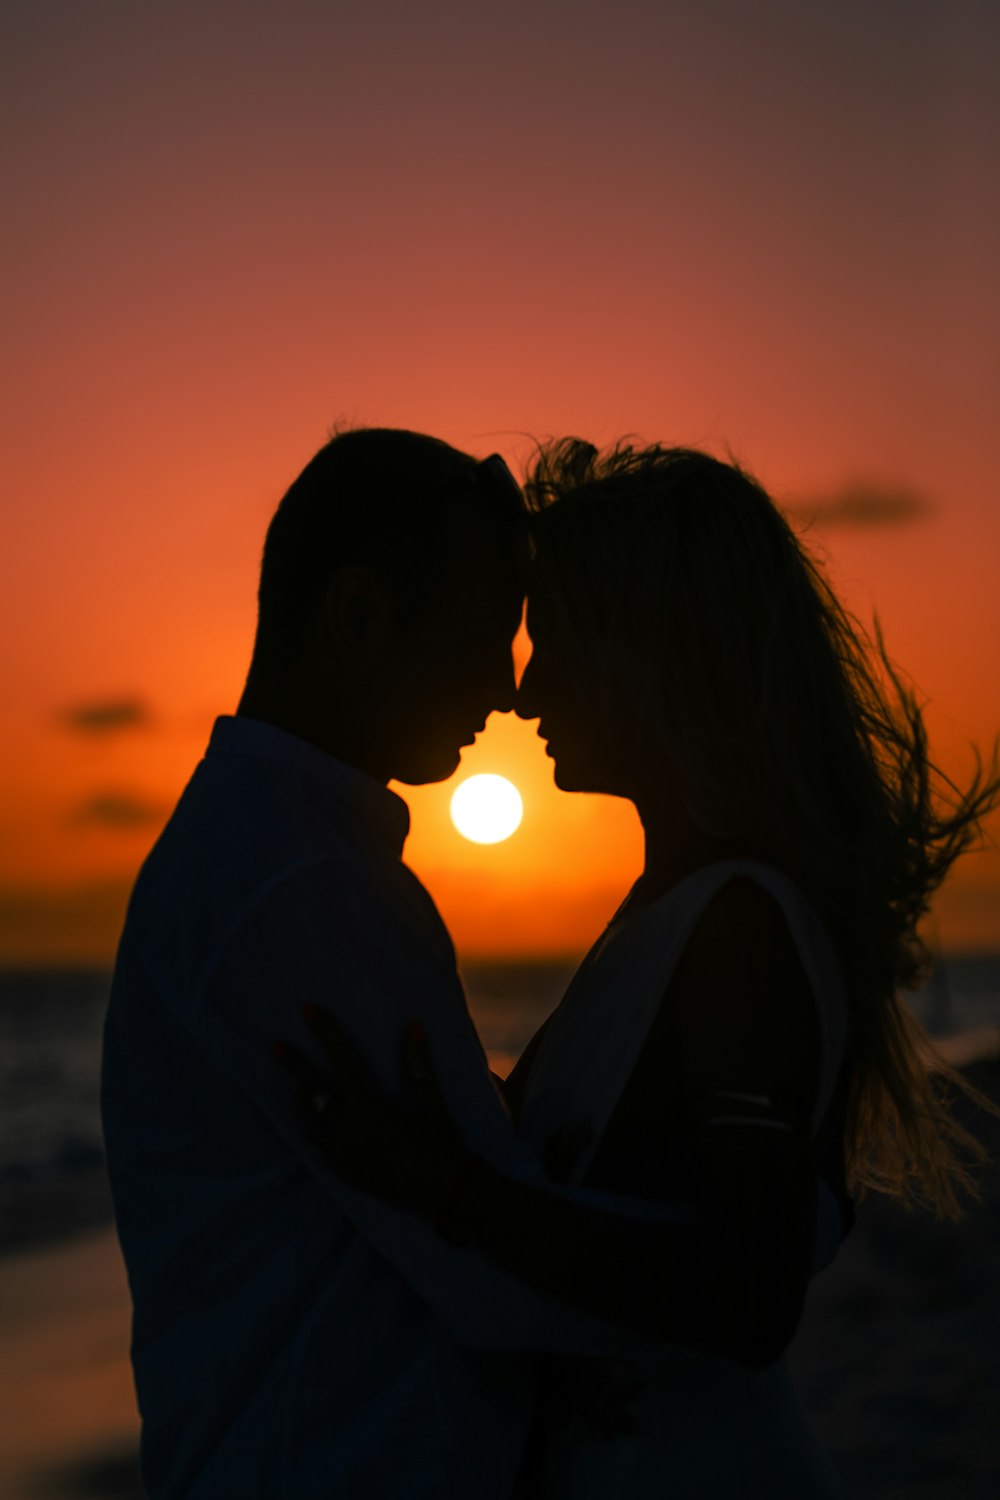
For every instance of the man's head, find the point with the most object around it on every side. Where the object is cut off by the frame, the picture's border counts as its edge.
(390, 591)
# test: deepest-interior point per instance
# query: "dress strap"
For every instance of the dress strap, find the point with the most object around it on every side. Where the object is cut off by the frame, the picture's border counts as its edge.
(593, 1040)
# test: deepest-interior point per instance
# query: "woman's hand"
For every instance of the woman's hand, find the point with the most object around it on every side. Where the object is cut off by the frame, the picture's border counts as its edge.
(410, 1155)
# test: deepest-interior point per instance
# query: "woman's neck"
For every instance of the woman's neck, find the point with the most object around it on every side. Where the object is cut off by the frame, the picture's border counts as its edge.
(674, 847)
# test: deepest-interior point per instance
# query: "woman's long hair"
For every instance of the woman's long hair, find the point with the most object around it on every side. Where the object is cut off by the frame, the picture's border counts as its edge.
(721, 646)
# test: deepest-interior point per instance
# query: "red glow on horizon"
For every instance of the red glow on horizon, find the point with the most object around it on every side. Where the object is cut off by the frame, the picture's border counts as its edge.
(230, 229)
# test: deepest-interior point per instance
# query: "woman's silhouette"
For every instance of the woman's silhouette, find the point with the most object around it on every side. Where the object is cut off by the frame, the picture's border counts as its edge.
(735, 1041)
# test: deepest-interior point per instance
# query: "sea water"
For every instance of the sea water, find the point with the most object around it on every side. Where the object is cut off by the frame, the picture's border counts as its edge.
(51, 1160)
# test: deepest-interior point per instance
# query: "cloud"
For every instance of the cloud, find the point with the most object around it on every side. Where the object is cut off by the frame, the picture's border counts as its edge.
(118, 810)
(863, 505)
(102, 716)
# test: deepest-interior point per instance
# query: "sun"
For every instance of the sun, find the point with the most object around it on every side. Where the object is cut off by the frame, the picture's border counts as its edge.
(486, 809)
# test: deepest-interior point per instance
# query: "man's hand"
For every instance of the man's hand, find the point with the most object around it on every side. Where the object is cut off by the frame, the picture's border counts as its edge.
(409, 1155)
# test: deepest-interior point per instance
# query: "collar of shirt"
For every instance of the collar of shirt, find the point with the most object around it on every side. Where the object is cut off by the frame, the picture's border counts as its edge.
(343, 789)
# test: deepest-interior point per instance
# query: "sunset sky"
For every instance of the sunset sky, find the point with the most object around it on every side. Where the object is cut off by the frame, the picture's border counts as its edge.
(771, 229)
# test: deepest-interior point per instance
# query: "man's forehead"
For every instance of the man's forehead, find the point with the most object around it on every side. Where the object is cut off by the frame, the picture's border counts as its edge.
(488, 586)
(477, 544)
(484, 588)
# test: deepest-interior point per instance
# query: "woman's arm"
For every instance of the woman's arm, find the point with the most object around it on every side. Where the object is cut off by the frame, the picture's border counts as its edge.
(741, 1012)
(732, 1280)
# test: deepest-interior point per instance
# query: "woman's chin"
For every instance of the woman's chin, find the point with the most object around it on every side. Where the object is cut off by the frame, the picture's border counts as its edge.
(569, 780)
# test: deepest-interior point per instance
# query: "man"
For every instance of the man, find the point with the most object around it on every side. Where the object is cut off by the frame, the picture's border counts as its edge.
(292, 1337)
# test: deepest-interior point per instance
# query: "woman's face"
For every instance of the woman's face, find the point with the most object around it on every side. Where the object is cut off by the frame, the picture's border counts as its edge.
(562, 688)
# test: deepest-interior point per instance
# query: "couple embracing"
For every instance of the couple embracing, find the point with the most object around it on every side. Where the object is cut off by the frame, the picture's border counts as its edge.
(360, 1268)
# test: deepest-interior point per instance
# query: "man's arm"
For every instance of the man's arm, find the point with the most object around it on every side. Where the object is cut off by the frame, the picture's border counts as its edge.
(732, 1279)
(312, 940)
(741, 1011)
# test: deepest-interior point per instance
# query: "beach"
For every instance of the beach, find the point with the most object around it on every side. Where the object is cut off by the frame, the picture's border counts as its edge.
(897, 1360)
(68, 1423)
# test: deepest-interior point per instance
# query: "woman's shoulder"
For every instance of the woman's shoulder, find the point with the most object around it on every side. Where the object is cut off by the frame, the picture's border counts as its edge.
(740, 1000)
(744, 921)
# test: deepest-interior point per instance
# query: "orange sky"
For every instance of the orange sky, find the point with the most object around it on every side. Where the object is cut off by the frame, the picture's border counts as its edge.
(770, 228)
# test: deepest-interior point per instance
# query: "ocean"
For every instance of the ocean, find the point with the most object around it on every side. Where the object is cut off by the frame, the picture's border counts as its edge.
(51, 1160)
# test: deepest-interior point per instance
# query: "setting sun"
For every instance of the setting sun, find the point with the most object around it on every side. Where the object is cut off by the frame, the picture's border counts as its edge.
(486, 808)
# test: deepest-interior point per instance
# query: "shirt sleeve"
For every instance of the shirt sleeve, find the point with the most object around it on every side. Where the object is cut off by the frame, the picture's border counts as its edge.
(369, 946)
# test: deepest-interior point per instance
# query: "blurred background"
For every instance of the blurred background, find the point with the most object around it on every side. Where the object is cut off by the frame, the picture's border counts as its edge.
(770, 230)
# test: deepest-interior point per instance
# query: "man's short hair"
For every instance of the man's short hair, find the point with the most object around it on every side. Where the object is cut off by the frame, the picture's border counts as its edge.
(382, 497)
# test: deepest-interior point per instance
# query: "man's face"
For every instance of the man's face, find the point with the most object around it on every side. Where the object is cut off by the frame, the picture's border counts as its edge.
(453, 666)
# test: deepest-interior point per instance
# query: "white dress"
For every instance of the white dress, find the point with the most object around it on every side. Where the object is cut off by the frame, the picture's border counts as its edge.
(700, 1427)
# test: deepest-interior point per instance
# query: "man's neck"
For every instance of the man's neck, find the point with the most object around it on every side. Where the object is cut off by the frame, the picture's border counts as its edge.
(299, 714)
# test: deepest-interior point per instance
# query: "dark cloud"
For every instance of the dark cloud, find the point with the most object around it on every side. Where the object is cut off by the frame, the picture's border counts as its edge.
(863, 505)
(118, 810)
(103, 716)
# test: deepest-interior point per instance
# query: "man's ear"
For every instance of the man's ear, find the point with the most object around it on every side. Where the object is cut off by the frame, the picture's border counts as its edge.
(357, 611)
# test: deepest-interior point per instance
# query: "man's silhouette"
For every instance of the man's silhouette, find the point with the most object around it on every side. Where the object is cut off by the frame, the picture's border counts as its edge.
(293, 1337)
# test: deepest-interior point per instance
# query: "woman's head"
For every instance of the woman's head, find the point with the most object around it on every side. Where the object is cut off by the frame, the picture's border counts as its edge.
(684, 633)
(675, 608)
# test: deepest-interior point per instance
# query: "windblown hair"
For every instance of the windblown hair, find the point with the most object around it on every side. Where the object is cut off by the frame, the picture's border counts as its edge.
(720, 646)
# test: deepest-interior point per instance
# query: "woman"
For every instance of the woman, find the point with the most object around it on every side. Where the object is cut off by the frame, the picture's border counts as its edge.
(734, 1041)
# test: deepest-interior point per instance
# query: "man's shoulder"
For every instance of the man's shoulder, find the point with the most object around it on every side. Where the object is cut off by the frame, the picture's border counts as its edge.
(352, 899)
(229, 871)
(225, 844)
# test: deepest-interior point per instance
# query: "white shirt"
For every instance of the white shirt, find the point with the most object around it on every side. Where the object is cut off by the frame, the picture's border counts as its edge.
(292, 1337)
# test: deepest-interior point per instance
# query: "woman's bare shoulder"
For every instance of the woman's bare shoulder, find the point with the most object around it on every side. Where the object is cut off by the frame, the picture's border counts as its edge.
(740, 1003)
